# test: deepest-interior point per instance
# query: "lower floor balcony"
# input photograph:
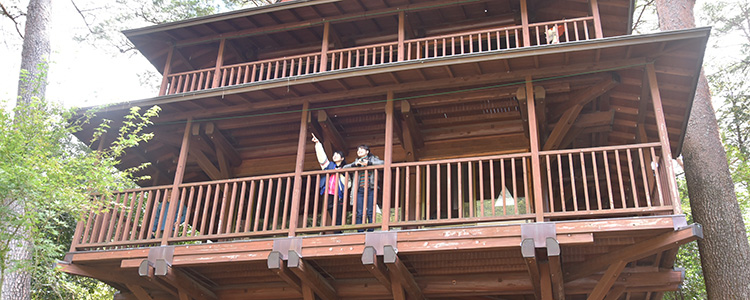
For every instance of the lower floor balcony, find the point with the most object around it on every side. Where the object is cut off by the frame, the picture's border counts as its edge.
(592, 183)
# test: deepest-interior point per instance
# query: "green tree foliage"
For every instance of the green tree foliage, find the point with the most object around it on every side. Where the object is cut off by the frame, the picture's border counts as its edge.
(54, 175)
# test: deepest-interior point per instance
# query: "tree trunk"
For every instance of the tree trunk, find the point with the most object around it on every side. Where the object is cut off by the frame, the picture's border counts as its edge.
(724, 249)
(16, 277)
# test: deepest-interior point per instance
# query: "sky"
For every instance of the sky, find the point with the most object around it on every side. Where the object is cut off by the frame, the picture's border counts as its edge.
(82, 75)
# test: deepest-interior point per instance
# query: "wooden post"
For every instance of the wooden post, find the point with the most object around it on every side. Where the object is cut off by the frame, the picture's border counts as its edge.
(298, 166)
(387, 176)
(663, 138)
(219, 63)
(165, 73)
(525, 25)
(324, 47)
(401, 34)
(536, 172)
(597, 19)
(178, 174)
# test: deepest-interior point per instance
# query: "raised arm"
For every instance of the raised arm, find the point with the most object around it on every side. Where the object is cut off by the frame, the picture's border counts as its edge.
(320, 153)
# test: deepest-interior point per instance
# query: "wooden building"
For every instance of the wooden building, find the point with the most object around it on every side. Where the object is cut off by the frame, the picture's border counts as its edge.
(527, 149)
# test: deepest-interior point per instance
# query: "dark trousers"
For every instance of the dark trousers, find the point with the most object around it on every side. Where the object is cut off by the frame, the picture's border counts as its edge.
(361, 193)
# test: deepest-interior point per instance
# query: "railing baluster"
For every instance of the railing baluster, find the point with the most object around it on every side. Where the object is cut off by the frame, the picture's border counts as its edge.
(633, 189)
(560, 180)
(471, 188)
(206, 204)
(645, 179)
(657, 178)
(619, 177)
(567, 35)
(574, 191)
(129, 221)
(418, 202)
(250, 206)
(230, 215)
(526, 187)
(276, 205)
(397, 198)
(550, 194)
(492, 187)
(269, 196)
(481, 187)
(407, 197)
(180, 213)
(609, 180)
(438, 192)
(212, 224)
(241, 208)
(596, 181)
(503, 188)
(575, 29)
(258, 204)
(345, 205)
(585, 181)
(287, 201)
(315, 202)
(515, 186)
(306, 208)
(196, 214)
(355, 203)
(428, 199)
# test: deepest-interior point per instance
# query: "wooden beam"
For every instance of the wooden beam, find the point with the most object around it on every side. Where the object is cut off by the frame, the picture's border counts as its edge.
(525, 23)
(528, 251)
(375, 266)
(616, 292)
(606, 282)
(187, 285)
(178, 175)
(540, 95)
(638, 250)
(219, 63)
(400, 273)
(555, 268)
(206, 165)
(299, 165)
(401, 34)
(663, 138)
(165, 73)
(310, 277)
(330, 133)
(278, 266)
(536, 172)
(324, 47)
(410, 123)
(222, 144)
(139, 292)
(577, 101)
(597, 19)
(388, 160)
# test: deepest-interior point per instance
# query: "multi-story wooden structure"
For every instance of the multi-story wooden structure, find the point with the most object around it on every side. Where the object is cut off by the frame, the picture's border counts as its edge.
(515, 168)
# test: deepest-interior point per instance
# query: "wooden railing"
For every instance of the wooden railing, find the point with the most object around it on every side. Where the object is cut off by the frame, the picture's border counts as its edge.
(570, 30)
(580, 183)
(494, 39)
(608, 180)
(464, 43)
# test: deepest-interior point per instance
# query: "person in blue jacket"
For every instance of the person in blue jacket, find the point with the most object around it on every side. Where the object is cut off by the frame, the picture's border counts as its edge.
(329, 186)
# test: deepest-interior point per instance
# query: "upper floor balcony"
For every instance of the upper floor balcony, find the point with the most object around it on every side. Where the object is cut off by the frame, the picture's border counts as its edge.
(500, 38)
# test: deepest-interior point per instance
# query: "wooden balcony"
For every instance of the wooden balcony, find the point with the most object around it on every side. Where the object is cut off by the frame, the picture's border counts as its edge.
(594, 183)
(457, 44)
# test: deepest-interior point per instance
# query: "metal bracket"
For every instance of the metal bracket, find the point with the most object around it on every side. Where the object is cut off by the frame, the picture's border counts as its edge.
(284, 245)
(539, 232)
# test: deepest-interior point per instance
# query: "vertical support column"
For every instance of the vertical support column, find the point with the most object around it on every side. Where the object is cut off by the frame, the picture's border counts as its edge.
(178, 174)
(219, 63)
(525, 25)
(401, 34)
(298, 166)
(165, 73)
(666, 151)
(536, 172)
(324, 47)
(387, 176)
(597, 19)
